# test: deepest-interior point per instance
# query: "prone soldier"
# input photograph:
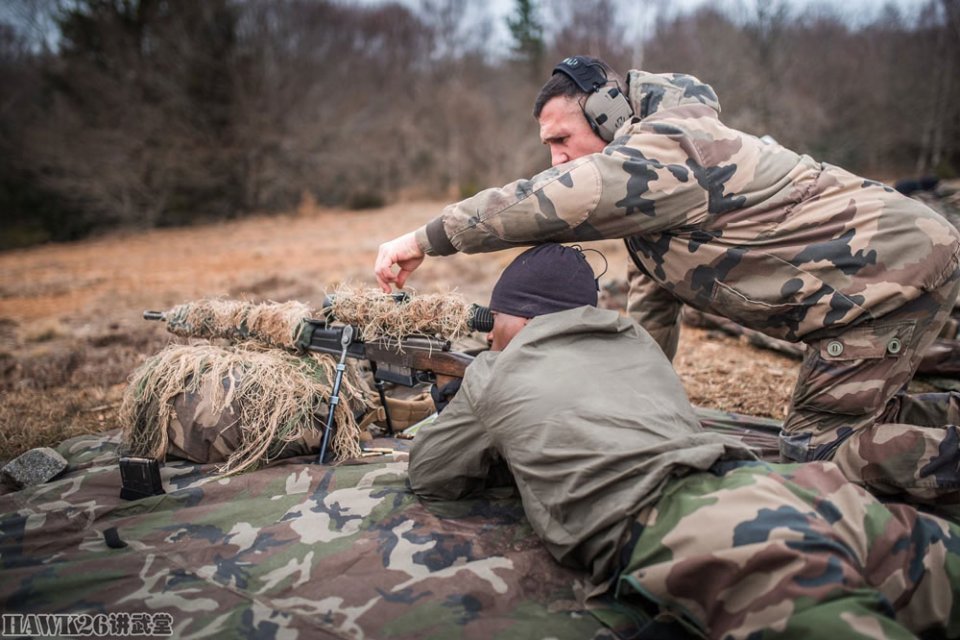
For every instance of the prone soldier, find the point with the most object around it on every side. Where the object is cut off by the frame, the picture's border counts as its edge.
(681, 531)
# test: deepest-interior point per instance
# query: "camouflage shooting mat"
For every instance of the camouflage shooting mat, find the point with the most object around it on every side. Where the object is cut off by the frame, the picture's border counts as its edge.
(292, 550)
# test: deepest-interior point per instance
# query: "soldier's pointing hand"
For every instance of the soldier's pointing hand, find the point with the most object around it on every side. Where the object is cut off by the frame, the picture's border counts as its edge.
(403, 252)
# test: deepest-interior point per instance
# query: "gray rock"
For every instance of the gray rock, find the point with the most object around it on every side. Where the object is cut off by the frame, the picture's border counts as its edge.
(34, 467)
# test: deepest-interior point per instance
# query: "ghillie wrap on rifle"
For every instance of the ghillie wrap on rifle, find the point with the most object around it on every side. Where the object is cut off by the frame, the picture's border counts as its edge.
(376, 315)
(270, 324)
(268, 396)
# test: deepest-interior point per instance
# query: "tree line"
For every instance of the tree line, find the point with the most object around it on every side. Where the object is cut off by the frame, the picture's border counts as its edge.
(144, 113)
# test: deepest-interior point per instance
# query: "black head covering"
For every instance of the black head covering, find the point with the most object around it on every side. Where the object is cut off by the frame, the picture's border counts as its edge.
(545, 279)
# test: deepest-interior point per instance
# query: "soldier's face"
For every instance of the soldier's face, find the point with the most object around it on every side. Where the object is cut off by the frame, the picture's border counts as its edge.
(565, 130)
(505, 327)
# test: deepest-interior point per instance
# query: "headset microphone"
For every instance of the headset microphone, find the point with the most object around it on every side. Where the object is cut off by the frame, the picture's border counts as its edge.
(606, 108)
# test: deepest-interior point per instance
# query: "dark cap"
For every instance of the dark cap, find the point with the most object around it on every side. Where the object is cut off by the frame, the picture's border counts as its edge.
(545, 279)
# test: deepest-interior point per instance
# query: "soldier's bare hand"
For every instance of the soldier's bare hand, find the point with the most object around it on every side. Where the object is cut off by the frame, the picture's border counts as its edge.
(403, 252)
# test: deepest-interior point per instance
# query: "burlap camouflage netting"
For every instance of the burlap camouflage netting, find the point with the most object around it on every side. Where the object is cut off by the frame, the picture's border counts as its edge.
(278, 398)
(277, 324)
(378, 315)
(272, 324)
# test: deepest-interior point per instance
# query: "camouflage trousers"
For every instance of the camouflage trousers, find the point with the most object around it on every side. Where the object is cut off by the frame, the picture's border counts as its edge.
(849, 405)
(756, 550)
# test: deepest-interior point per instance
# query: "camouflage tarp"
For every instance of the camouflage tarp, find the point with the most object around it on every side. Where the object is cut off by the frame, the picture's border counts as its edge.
(291, 550)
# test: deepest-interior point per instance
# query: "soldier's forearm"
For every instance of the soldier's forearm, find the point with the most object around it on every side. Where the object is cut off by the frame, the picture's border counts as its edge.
(521, 213)
(432, 239)
(590, 198)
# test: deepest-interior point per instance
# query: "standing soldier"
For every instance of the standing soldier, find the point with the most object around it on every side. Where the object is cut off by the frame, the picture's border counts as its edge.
(777, 241)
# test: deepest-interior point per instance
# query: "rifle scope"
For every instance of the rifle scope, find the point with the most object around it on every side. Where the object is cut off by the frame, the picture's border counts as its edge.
(479, 318)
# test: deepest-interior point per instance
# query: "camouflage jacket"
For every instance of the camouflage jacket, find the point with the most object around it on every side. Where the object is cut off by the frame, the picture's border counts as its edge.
(587, 451)
(718, 219)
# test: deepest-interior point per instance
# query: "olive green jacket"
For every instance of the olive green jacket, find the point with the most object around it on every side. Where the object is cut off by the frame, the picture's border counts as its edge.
(588, 416)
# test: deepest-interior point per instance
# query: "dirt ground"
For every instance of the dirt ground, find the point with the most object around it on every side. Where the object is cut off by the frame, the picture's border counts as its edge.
(71, 327)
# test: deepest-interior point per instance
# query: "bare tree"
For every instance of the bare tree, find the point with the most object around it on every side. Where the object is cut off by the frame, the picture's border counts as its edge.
(942, 20)
(590, 27)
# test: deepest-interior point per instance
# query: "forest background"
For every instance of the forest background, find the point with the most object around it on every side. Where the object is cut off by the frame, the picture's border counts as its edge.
(151, 113)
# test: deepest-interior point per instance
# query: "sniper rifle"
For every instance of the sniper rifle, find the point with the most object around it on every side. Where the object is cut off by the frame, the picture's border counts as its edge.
(406, 361)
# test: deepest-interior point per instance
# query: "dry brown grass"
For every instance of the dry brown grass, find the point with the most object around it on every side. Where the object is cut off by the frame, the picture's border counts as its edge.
(31, 418)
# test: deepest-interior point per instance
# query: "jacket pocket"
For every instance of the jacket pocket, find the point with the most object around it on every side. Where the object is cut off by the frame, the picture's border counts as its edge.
(857, 371)
(886, 340)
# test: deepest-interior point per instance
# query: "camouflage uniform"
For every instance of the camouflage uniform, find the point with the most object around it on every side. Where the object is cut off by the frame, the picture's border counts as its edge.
(292, 551)
(200, 434)
(625, 487)
(794, 551)
(776, 241)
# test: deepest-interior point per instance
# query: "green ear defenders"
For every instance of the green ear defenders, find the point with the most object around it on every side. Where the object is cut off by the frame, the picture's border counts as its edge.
(606, 108)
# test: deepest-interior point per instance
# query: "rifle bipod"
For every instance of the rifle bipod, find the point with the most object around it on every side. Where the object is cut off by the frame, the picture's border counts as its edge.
(345, 338)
